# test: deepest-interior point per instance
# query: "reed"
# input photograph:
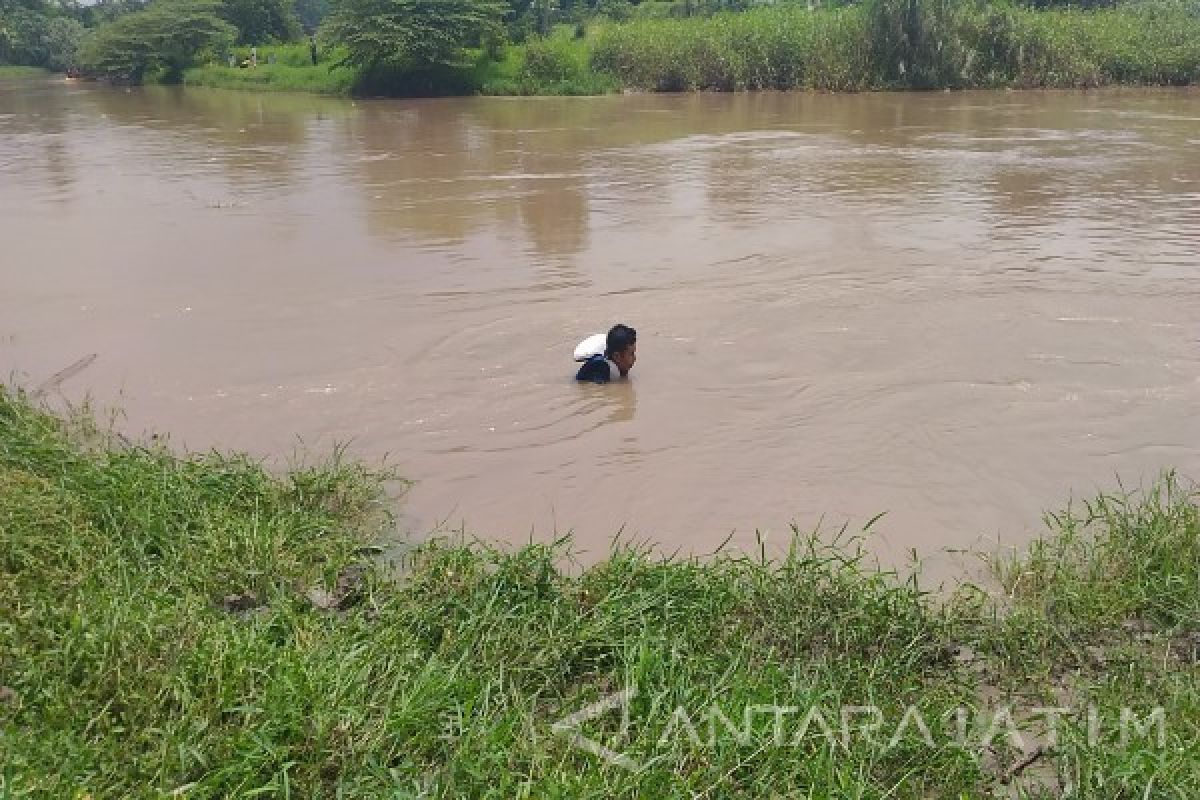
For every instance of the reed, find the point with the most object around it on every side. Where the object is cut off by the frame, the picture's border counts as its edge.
(907, 44)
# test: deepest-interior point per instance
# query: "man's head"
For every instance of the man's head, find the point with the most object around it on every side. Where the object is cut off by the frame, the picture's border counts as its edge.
(621, 347)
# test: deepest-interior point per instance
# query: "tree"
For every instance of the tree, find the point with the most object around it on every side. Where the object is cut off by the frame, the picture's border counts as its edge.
(23, 33)
(63, 38)
(168, 35)
(311, 13)
(38, 34)
(259, 21)
(412, 35)
(108, 10)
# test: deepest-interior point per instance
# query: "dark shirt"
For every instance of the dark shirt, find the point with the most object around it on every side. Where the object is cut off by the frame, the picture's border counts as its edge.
(594, 370)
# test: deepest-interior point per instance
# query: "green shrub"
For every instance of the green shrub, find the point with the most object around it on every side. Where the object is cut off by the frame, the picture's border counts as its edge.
(559, 64)
(553, 59)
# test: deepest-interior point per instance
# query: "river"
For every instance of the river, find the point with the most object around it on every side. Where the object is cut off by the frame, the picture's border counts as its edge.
(961, 309)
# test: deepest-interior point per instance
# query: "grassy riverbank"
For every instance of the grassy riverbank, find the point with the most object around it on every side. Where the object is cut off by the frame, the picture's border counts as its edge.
(9, 72)
(880, 44)
(284, 67)
(193, 626)
(558, 64)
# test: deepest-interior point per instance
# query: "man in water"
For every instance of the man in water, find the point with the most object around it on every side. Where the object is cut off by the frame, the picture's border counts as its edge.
(606, 358)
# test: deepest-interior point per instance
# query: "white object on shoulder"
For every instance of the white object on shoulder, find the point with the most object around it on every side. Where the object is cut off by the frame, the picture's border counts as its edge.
(593, 345)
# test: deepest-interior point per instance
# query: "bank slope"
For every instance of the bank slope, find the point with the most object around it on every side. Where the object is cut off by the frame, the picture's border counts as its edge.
(193, 625)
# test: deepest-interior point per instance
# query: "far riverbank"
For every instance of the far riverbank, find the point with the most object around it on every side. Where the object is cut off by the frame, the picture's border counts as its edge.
(9, 72)
(853, 48)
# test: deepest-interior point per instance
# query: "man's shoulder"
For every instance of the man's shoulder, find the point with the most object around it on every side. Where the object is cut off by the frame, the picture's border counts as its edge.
(595, 370)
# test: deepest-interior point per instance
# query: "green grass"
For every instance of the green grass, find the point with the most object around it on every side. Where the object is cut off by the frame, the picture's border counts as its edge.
(292, 72)
(321, 79)
(160, 636)
(8, 72)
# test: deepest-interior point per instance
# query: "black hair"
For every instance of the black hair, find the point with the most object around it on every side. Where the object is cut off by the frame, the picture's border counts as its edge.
(620, 337)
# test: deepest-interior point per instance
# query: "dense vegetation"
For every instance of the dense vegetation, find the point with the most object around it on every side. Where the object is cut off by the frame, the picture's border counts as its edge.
(162, 37)
(920, 44)
(36, 34)
(571, 47)
(194, 626)
(292, 70)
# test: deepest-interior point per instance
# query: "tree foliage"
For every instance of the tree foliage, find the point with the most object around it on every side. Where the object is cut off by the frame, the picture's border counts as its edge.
(311, 13)
(260, 21)
(167, 35)
(20, 35)
(63, 38)
(411, 34)
(37, 34)
(107, 10)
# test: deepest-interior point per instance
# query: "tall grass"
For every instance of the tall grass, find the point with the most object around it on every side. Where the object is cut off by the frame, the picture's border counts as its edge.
(194, 626)
(772, 48)
(1145, 568)
(885, 44)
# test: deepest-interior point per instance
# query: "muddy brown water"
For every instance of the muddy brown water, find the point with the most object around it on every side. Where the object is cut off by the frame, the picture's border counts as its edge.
(961, 309)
